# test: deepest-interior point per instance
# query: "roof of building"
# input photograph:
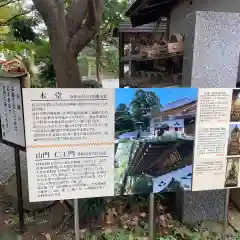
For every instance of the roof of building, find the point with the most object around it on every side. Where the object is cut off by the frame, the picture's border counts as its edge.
(150, 154)
(177, 103)
(146, 11)
(127, 27)
(183, 176)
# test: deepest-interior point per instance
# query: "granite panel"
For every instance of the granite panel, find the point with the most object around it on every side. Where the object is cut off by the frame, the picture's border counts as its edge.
(195, 207)
(215, 47)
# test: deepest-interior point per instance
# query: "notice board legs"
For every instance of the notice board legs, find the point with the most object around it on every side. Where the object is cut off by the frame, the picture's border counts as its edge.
(225, 223)
(19, 190)
(76, 219)
(151, 217)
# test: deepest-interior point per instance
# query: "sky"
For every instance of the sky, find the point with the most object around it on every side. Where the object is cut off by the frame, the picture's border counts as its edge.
(167, 95)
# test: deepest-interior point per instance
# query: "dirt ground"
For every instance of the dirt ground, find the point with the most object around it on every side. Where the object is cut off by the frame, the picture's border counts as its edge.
(38, 227)
(47, 225)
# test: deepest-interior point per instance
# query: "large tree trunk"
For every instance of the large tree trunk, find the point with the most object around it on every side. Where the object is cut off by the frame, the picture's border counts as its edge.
(66, 67)
(69, 75)
(69, 32)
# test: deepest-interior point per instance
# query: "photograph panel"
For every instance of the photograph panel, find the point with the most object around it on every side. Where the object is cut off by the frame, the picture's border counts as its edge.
(154, 139)
(232, 172)
(234, 140)
(235, 112)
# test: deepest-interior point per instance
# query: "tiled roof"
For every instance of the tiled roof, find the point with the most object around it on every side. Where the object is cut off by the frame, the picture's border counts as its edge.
(176, 104)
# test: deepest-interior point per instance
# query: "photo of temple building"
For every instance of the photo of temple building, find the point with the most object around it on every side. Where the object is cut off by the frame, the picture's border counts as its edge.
(232, 172)
(160, 139)
(234, 140)
(178, 115)
(235, 112)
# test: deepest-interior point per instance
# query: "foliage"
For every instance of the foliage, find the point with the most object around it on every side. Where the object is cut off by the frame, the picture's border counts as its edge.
(47, 77)
(140, 234)
(22, 29)
(143, 185)
(111, 60)
(91, 208)
(123, 119)
(11, 10)
(21, 39)
(128, 117)
(20, 43)
(142, 105)
(91, 83)
(113, 15)
(113, 12)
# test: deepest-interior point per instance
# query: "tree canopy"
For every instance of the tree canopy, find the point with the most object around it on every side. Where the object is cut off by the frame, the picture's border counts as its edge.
(128, 118)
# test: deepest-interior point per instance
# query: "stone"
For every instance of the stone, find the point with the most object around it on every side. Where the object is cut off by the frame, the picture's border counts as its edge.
(211, 60)
(211, 49)
(11, 191)
(196, 207)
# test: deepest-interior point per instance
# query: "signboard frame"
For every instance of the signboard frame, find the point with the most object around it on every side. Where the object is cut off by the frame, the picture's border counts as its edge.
(21, 77)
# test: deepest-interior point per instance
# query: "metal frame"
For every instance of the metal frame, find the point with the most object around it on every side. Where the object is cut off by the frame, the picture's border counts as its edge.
(225, 220)
(151, 220)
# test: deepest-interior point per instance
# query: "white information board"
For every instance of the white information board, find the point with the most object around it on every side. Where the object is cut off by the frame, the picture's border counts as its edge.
(211, 157)
(70, 143)
(11, 111)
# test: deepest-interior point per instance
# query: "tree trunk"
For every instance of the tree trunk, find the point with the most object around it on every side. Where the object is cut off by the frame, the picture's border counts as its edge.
(64, 62)
(98, 58)
(69, 31)
(67, 70)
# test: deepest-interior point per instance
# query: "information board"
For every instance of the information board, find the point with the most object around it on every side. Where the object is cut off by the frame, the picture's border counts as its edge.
(85, 143)
(11, 112)
(70, 143)
(217, 141)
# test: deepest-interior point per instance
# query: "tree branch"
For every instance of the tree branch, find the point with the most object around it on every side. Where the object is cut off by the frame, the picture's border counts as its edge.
(76, 15)
(47, 9)
(53, 14)
(4, 3)
(90, 28)
(15, 16)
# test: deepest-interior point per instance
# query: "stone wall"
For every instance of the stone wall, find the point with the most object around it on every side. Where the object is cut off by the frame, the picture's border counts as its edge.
(178, 22)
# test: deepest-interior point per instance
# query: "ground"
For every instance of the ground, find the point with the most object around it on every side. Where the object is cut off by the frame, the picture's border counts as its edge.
(122, 219)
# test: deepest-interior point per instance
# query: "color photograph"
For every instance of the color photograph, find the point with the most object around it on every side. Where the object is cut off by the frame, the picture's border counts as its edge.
(232, 171)
(234, 140)
(235, 112)
(154, 139)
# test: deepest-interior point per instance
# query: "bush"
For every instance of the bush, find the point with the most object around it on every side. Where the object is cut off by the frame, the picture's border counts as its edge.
(142, 185)
(91, 83)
